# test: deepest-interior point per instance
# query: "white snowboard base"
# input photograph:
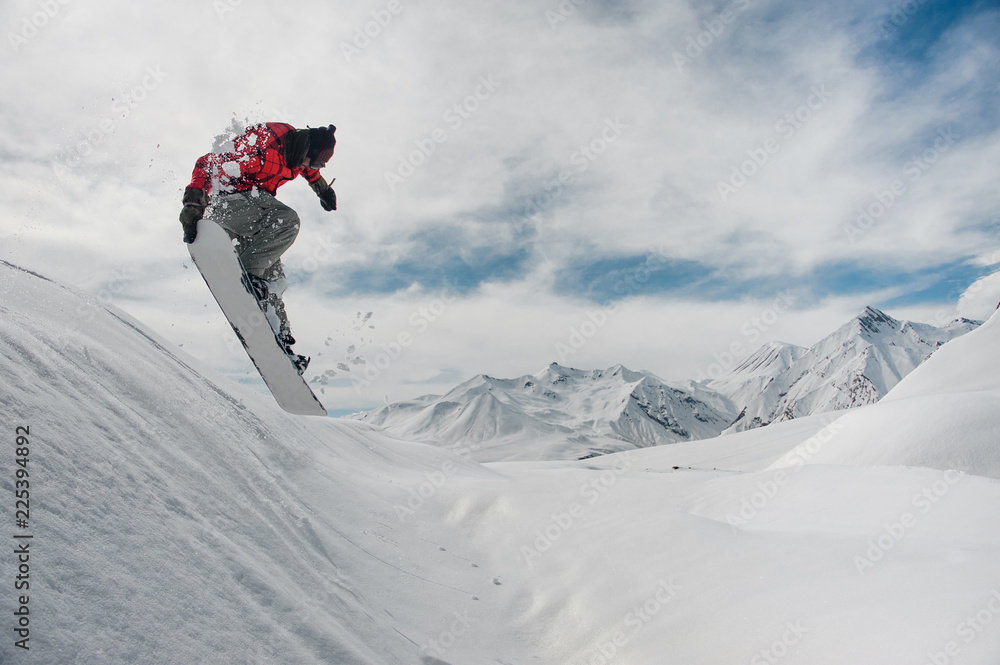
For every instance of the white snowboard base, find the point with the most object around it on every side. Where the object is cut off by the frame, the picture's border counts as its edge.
(215, 256)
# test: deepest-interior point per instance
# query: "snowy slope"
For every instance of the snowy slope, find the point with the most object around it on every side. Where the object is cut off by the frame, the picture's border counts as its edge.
(907, 426)
(854, 366)
(769, 559)
(179, 518)
(816, 565)
(558, 413)
(748, 380)
(564, 413)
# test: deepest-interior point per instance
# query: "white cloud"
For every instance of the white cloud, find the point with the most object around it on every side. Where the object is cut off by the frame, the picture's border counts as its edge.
(183, 70)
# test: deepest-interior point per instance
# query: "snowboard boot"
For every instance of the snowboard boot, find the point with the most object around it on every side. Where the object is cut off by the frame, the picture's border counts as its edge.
(301, 362)
(256, 285)
(269, 290)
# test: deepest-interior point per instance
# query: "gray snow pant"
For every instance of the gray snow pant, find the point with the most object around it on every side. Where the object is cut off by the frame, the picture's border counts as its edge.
(264, 228)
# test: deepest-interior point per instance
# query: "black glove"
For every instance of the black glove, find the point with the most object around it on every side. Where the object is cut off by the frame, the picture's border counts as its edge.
(189, 220)
(194, 209)
(327, 197)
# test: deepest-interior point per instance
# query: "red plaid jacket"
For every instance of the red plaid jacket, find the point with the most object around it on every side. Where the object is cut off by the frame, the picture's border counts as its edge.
(257, 160)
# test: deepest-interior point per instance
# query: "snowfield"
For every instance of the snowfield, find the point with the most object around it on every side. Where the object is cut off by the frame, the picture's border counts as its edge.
(561, 413)
(178, 517)
(558, 413)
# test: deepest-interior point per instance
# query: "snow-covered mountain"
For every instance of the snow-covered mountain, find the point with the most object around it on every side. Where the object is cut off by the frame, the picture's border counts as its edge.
(856, 365)
(559, 413)
(180, 518)
(747, 380)
(564, 413)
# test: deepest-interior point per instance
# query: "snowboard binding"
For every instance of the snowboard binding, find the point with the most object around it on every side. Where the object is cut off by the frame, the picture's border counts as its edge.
(256, 286)
(301, 362)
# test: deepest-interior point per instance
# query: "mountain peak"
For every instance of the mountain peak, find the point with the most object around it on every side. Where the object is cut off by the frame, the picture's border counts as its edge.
(871, 322)
(561, 411)
(568, 412)
(875, 316)
(561, 372)
(856, 365)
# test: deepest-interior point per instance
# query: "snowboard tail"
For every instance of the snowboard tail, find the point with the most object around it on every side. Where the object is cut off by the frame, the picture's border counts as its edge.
(214, 255)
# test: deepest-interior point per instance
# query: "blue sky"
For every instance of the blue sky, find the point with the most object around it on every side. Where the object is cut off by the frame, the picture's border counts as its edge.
(909, 45)
(686, 162)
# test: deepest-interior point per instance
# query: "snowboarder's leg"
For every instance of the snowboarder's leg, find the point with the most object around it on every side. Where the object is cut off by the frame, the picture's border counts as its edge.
(274, 307)
(264, 229)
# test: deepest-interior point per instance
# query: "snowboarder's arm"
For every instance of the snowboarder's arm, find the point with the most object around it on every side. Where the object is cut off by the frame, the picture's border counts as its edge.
(194, 201)
(206, 171)
(312, 175)
(247, 158)
(327, 197)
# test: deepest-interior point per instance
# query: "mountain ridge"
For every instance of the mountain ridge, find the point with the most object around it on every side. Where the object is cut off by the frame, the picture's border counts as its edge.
(588, 411)
(581, 413)
(855, 365)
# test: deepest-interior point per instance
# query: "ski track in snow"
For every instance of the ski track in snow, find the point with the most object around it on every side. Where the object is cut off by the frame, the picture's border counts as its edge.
(180, 518)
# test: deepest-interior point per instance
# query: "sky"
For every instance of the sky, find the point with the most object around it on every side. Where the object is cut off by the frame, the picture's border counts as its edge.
(665, 185)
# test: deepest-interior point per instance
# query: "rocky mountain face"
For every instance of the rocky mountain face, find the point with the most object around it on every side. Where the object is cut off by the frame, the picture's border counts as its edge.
(855, 365)
(565, 413)
(596, 411)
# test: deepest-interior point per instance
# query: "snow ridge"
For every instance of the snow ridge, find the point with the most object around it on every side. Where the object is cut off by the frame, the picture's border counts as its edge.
(856, 365)
(582, 412)
(185, 519)
(181, 518)
(567, 413)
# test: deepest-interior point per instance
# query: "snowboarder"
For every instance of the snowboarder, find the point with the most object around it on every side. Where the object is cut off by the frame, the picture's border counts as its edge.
(237, 189)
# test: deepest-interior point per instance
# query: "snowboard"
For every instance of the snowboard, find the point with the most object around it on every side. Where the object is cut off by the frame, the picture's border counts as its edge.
(214, 255)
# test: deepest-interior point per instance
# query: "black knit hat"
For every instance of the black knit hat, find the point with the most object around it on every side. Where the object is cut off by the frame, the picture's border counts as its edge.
(296, 145)
(321, 145)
